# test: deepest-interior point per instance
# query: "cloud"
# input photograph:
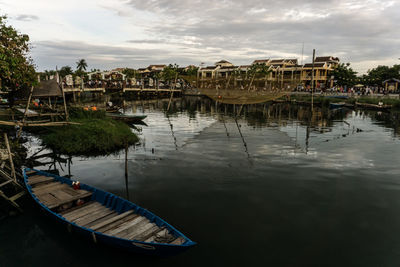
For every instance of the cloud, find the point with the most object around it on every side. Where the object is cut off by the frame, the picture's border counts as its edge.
(353, 29)
(25, 17)
(48, 54)
(147, 41)
(114, 33)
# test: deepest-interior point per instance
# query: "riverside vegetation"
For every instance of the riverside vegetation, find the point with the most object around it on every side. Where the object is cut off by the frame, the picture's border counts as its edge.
(96, 134)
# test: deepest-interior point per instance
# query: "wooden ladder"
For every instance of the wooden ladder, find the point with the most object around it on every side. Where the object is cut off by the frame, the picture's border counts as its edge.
(10, 177)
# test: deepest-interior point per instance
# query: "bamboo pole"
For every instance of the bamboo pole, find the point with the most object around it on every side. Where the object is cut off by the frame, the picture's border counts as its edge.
(31, 124)
(65, 104)
(10, 158)
(172, 92)
(312, 82)
(26, 111)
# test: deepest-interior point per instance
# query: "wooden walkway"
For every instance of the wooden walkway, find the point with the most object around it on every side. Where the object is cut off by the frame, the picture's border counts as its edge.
(127, 89)
(8, 176)
(152, 90)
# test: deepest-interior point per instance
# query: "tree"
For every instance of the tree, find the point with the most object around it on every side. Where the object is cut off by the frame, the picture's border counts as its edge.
(379, 74)
(81, 65)
(170, 73)
(130, 73)
(258, 70)
(192, 71)
(66, 70)
(16, 67)
(344, 75)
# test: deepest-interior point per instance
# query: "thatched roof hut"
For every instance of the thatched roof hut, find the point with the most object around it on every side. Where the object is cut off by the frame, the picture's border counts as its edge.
(44, 89)
(49, 88)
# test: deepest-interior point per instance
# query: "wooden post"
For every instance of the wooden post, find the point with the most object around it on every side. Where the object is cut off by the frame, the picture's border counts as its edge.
(126, 171)
(312, 81)
(26, 111)
(10, 158)
(65, 104)
(172, 92)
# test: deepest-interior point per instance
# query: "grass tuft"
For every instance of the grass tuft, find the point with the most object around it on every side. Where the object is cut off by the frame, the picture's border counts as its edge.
(96, 135)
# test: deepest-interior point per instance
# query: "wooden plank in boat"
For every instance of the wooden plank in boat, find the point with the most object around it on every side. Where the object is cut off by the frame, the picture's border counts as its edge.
(61, 195)
(39, 179)
(34, 178)
(30, 172)
(49, 190)
(87, 194)
(111, 220)
(146, 234)
(139, 230)
(93, 216)
(125, 226)
(44, 186)
(99, 216)
(47, 199)
(76, 208)
(115, 224)
(71, 191)
(178, 241)
(132, 229)
(82, 211)
(102, 219)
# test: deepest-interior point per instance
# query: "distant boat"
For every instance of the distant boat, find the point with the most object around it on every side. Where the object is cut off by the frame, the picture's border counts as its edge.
(337, 96)
(103, 217)
(336, 105)
(374, 106)
(127, 118)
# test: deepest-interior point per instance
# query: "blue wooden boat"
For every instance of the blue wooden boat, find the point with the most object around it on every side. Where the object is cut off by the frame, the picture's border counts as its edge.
(103, 217)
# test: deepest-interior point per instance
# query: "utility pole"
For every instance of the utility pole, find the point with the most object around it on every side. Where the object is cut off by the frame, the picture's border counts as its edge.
(312, 81)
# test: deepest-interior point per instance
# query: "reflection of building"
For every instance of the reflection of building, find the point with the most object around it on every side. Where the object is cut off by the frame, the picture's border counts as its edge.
(284, 73)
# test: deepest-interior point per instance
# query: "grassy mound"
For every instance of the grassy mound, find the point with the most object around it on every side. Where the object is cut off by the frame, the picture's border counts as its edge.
(96, 135)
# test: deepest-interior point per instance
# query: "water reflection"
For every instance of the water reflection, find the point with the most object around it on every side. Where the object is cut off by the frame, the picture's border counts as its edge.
(299, 177)
(264, 130)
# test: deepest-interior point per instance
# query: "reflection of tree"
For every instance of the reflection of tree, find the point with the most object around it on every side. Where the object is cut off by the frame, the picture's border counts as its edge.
(50, 159)
(389, 119)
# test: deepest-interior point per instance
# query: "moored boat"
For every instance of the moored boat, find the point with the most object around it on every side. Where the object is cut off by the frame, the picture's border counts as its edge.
(103, 217)
(126, 118)
(374, 106)
(336, 105)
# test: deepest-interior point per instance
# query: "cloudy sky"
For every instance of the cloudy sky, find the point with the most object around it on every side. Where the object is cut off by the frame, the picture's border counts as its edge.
(132, 33)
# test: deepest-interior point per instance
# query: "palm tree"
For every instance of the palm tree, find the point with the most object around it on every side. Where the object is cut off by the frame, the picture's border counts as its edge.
(81, 65)
(64, 71)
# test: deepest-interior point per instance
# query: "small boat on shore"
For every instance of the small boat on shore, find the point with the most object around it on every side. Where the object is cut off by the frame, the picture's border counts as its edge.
(127, 118)
(103, 217)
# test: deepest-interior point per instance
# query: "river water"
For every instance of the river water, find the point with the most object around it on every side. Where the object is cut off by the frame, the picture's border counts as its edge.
(276, 185)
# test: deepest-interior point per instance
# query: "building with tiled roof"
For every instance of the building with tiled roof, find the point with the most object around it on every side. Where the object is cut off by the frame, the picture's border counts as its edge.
(284, 73)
